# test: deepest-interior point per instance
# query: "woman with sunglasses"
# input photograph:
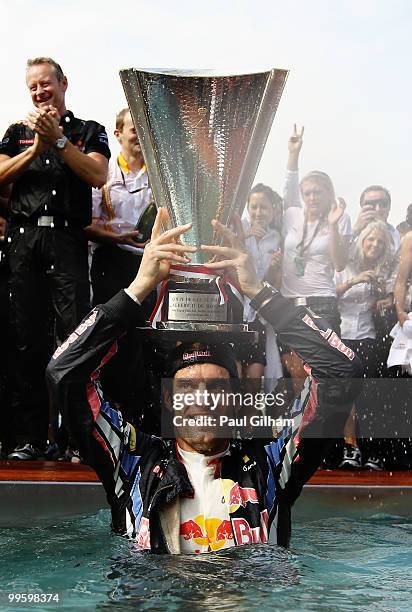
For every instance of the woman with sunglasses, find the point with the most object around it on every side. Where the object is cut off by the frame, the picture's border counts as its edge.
(375, 205)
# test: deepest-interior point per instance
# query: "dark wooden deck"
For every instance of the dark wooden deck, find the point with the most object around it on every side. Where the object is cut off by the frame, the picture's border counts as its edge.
(57, 471)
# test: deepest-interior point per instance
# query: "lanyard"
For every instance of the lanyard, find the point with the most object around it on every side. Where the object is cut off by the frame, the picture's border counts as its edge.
(133, 190)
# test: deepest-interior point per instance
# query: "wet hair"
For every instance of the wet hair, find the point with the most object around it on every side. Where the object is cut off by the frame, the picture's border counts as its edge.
(273, 197)
(120, 118)
(37, 61)
(375, 188)
(383, 265)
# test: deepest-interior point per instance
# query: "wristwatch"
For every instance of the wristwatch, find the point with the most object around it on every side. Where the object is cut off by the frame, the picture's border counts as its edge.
(61, 142)
(265, 294)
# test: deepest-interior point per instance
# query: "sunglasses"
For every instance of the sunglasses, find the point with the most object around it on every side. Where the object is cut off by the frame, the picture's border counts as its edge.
(382, 203)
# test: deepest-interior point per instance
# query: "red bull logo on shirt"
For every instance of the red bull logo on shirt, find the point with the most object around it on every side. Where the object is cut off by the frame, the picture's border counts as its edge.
(236, 496)
(213, 533)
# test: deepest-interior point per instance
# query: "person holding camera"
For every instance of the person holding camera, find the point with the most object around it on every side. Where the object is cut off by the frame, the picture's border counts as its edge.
(375, 202)
(361, 287)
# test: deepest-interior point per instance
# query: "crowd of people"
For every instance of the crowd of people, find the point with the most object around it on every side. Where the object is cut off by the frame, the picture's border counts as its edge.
(74, 226)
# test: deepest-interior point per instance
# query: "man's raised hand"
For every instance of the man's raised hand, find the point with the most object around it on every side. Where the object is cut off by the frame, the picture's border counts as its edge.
(159, 254)
(294, 146)
(296, 140)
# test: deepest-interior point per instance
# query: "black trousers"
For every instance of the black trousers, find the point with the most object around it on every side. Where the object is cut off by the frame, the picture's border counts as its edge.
(6, 357)
(48, 283)
(114, 269)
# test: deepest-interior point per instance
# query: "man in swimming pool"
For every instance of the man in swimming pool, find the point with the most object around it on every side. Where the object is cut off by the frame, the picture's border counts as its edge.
(202, 491)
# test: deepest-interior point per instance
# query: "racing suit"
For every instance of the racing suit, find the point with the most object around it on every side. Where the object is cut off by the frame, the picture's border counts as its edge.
(142, 475)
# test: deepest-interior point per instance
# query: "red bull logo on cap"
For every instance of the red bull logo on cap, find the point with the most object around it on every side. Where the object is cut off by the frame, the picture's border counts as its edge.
(195, 354)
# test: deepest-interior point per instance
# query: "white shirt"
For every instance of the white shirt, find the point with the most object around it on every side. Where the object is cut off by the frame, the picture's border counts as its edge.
(115, 207)
(396, 237)
(356, 307)
(400, 353)
(204, 519)
(261, 252)
(317, 279)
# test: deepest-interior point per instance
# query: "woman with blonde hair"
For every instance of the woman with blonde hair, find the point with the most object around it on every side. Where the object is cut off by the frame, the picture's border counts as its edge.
(360, 287)
(316, 244)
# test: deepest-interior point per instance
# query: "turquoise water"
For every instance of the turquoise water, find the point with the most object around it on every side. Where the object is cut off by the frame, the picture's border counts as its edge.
(334, 564)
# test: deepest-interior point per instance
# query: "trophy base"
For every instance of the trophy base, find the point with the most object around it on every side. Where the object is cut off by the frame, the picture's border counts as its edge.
(202, 326)
(208, 333)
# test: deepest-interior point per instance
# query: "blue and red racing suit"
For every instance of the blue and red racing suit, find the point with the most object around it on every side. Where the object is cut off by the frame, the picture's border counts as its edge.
(142, 474)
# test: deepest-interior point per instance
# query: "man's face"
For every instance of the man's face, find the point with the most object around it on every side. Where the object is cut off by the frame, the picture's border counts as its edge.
(379, 200)
(193, 386)
(45, 88)
(127, 136)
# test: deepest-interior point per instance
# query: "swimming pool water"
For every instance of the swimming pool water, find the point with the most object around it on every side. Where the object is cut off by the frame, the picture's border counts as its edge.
(333, 565)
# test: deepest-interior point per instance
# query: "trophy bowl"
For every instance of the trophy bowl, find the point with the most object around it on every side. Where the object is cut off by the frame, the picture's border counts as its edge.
(202, 135)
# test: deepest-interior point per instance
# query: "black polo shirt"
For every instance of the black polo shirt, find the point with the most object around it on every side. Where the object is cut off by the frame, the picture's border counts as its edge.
(48, 186)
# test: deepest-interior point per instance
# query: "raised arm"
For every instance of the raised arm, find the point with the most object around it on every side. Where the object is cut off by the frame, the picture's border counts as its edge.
(74, 368)
(291, 194)
(336, 370)
(339, 242)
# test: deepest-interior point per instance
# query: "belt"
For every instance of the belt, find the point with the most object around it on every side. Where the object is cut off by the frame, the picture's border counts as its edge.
(300, 301)
(50, 221)
(41, 221)
(306, 301)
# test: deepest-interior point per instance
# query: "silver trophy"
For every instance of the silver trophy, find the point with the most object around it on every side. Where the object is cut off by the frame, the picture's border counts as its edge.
(202, 135)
